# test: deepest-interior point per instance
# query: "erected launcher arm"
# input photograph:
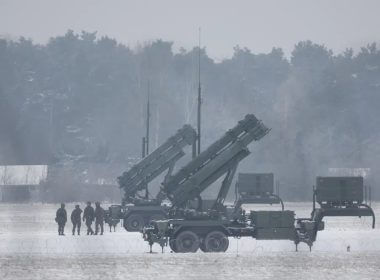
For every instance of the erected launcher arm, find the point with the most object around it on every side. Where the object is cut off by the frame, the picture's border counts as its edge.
(147, 169)
(222, 157)
(187, 230)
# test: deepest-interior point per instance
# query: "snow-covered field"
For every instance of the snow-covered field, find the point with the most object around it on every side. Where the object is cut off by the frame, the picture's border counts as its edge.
(31, 249)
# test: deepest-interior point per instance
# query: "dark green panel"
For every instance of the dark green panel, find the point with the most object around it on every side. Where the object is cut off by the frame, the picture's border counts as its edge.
(339, 189)
(273, 219)
(255, 183)
(275, 233)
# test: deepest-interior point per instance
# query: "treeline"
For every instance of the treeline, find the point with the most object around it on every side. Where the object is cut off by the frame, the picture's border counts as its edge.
(83, 98)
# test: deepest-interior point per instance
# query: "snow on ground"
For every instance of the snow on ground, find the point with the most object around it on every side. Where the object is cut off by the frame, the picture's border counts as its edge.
(31, 249)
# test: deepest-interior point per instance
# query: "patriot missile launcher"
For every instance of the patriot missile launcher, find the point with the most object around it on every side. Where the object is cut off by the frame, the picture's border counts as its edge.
(188, 230)
(139, 208)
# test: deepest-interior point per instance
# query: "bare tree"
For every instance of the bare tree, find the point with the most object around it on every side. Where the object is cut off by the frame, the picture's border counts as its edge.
(6, 177)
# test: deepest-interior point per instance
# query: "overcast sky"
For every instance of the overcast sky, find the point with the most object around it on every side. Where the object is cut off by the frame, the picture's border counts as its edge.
(258, 25)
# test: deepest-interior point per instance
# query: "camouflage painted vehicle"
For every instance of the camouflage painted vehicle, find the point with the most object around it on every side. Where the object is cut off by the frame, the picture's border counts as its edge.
(138, 207)
(188, 230)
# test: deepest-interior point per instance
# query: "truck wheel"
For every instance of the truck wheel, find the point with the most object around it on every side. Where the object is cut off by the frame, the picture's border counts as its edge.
(134, 223)
(216, 241)
(187, 242)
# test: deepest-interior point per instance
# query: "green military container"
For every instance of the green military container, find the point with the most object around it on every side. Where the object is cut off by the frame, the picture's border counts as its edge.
(275, 233)
(339, 190)
(255, 183)
(272, 219)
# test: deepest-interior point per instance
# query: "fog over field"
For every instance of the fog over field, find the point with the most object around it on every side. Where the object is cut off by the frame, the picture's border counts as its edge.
(74, 86)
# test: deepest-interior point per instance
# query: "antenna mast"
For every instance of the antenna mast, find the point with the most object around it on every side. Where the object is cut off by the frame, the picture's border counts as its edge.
(147, 121)
(199, 94)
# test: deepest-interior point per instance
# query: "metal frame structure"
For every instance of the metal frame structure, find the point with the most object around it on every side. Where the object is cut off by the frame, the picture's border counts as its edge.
(343, 201)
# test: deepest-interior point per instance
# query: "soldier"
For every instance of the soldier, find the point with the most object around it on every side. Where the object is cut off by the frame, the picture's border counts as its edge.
(76, 219)
(89, 215)
(61, 218)
(99, 218)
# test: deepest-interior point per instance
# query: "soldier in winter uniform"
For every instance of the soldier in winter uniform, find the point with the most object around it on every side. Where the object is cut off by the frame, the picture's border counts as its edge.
(76, 218)
(61, 219)
(88, 216)
(99, 218)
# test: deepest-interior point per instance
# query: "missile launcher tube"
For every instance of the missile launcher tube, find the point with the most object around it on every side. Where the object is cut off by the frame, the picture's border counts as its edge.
(154, 164)
(215, 161)
(249, 122)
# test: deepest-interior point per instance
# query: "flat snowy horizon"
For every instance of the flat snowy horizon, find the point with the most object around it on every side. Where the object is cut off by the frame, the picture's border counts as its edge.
(30, 248)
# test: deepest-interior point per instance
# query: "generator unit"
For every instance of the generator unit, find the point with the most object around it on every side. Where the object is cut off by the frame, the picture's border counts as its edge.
(338, 191)
(256, 188)
(340, 196)
(273, 225)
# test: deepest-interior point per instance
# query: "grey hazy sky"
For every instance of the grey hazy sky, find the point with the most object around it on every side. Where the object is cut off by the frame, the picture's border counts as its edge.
(258, 25)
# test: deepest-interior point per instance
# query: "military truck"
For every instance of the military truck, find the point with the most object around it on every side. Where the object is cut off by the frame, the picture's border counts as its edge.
(138, 206)
(188, 230)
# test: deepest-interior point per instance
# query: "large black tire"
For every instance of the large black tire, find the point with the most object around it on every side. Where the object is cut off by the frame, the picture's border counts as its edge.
(216, 242)
(187, 242)
(134, 223)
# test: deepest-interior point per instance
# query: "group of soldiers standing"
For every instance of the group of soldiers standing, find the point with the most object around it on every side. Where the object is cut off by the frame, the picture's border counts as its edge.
(89, 215)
